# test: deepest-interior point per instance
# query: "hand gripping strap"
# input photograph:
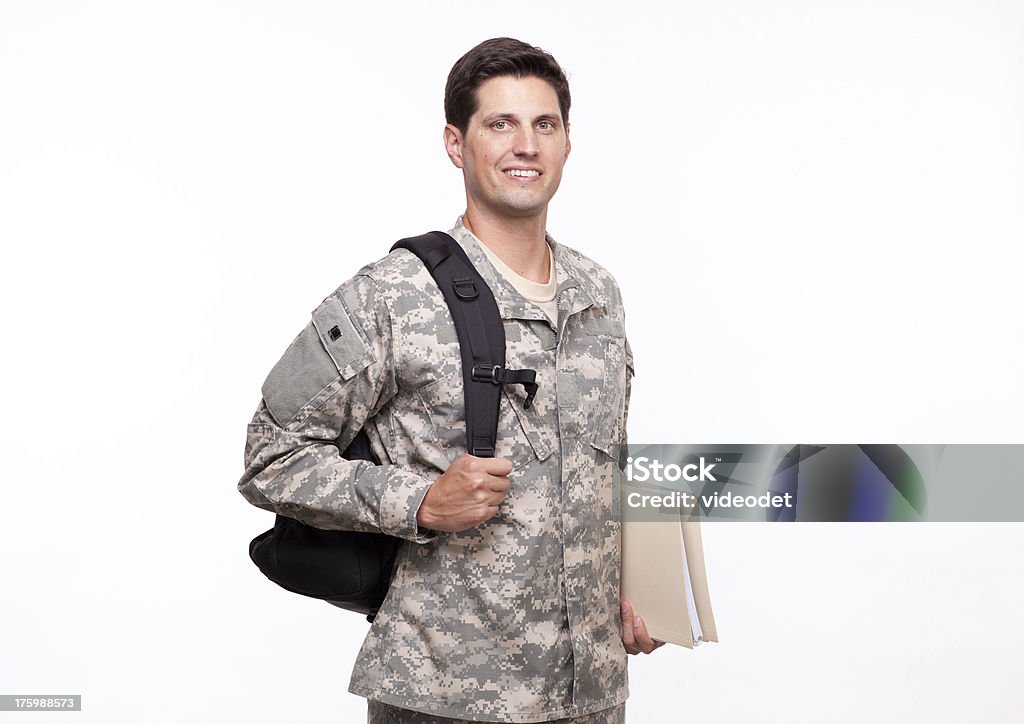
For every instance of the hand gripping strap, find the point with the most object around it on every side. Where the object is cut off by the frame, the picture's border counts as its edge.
(481, 336)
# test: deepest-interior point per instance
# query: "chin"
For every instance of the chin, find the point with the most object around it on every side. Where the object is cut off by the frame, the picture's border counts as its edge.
(525, 206)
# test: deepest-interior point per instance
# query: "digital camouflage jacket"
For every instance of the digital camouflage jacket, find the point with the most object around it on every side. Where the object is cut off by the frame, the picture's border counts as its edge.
(516, 619)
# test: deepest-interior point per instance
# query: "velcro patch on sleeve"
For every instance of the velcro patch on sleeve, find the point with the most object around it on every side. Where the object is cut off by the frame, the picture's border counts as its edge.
(328, 347)
(340, 338)
(302, 373)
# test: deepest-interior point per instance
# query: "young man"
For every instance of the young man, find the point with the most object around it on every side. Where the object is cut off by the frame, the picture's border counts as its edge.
(504, 604)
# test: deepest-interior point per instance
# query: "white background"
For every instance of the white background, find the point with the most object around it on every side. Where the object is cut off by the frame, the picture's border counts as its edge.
(814, 212)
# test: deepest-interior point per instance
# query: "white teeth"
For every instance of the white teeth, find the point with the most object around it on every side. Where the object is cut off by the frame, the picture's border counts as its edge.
(518, 172)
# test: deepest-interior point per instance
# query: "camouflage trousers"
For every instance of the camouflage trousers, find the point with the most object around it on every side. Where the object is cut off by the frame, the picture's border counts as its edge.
(378, 712)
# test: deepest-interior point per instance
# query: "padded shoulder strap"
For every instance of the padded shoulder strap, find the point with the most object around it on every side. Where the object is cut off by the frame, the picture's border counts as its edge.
(481, 336)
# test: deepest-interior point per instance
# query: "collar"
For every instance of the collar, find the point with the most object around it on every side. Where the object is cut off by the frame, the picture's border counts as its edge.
(576, 290)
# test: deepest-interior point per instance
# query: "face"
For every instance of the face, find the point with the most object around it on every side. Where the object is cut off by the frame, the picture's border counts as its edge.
(513, 149)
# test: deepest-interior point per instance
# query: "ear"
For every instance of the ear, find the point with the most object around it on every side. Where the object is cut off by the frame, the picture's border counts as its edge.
(453, 144)
(568, 146)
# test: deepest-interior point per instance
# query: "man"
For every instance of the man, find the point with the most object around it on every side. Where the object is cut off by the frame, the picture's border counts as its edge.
(504, 605)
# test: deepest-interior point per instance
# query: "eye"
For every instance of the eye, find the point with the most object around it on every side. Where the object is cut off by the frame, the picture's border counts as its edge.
(546, 126)
(499, 125)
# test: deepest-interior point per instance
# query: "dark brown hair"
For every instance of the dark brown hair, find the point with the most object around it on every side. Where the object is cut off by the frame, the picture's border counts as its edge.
(495, 58)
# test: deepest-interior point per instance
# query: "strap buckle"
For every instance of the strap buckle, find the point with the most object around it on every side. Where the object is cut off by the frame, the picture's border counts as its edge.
(488, 373)
(498, 375)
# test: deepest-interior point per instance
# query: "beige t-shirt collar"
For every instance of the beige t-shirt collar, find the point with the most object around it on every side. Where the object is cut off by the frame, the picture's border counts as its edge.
(543, 295)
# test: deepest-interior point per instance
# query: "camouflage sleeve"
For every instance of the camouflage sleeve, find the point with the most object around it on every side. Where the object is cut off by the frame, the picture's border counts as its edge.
(336, 374)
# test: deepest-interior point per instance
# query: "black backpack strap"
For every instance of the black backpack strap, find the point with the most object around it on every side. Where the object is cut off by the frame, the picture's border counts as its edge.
(481, 336)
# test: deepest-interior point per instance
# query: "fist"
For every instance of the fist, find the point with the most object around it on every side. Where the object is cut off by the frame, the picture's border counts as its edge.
(468, 493)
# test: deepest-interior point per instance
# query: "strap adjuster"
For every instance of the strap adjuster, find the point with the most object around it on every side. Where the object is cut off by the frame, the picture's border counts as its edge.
(488, 373)
(498, 375)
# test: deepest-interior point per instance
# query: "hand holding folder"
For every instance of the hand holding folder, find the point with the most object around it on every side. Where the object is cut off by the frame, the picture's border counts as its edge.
(664, 579)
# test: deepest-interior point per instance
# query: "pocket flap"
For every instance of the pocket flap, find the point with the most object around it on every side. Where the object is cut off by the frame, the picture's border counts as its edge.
(599, 322)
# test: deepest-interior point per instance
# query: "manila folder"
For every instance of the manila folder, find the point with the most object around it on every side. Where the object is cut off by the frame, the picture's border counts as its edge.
(655, 578)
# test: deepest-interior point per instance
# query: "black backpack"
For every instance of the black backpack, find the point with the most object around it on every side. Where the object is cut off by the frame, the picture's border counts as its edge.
(352, 569)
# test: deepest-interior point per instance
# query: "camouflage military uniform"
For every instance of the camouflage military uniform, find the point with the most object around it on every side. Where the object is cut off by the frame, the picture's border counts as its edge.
(514, 620)
(378, 712)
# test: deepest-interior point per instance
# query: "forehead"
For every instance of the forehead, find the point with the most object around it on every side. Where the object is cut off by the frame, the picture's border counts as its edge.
(527, 97)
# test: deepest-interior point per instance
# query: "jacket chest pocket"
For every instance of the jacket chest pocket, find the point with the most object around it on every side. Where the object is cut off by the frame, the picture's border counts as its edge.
(443, 401)
(602, 336)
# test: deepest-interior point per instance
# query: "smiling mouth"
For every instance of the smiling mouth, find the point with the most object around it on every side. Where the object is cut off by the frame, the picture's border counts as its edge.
(522, 173)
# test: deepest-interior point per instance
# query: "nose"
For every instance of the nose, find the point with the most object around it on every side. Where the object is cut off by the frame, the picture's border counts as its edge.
(525, 142)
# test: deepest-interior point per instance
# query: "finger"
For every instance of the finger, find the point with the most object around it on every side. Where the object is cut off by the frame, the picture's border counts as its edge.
(497, 484)
(628, 638)
(643, 639)
(496, 466)
(495, 499)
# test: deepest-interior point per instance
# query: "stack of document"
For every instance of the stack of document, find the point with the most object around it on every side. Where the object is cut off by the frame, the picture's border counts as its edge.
(663, 577)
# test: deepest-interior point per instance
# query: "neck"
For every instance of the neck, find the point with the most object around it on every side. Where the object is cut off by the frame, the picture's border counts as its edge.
(520, 243)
